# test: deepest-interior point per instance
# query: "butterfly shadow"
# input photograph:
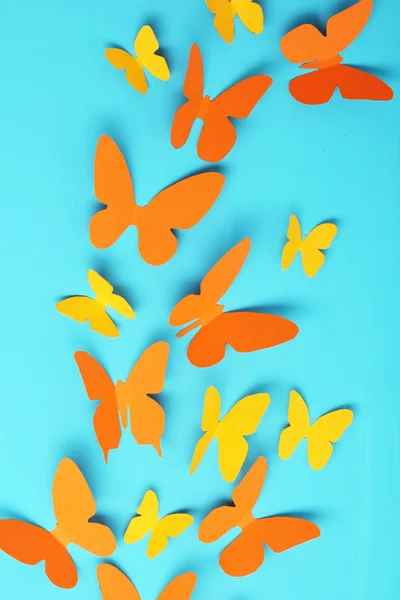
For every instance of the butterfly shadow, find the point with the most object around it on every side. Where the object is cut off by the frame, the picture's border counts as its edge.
(380, 72)
(280, 310)
(315, 516)
(306, 18)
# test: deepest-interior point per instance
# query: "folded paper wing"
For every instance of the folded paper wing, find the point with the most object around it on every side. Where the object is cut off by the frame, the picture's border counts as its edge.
(249, 12)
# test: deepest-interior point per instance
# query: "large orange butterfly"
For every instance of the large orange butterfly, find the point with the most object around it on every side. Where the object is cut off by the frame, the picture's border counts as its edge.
(244, 331)
(305, 44)
(218, 134)
(246, 553)
(147, 417)
(74, 505)
(114, 585)
(180, 206)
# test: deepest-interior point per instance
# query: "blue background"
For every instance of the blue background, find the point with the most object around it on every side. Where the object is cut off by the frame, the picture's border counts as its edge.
(337, 161)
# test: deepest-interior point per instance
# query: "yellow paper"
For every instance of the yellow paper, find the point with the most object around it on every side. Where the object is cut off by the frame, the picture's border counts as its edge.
(160, 529)
(242, 419)
(327, 429)
(249, 12)
(145, 46)
(320, 238)
(94, 310)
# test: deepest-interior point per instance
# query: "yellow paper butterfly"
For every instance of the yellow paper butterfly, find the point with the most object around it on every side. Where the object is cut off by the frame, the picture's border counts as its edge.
(242, 419)
(327, 429)
(320, 238)
(82, 308)
(249, 12)
(146, 46)
(160, 529)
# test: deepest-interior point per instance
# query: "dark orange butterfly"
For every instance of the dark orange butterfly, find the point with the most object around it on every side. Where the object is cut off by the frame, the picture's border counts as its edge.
(218, 134)
(180, 206)
(305, 44)
(244, 331)
(74, 505)
(147, 418)
(246, 553)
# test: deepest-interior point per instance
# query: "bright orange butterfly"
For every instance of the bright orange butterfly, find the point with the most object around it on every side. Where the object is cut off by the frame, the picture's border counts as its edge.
(146, 415)
(246, 553)
(114, 585)
(180, 206)
(218, 134)
(305, 44)
(74, 505)
(244, 331)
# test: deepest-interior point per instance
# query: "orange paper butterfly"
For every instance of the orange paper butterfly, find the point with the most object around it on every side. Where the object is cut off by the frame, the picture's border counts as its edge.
(180, 206)
(218, 134)
(244, 331)
(74, 505)
(146, 415)
(114, 585)
(305, 44)
(246, 553)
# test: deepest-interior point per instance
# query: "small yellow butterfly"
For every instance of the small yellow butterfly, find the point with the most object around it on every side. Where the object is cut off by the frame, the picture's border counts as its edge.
(146, 46)
(327, 429)
(320, 238)
(82, 308)
(249, 12)
(242, 419)
(160, 529)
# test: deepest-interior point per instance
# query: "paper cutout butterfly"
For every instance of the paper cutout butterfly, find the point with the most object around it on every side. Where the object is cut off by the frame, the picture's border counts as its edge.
(246, 553)
(74, 505)
(114, 585)
(325, 430)
(320, 238)
(160, 529)
(147, 418)
(94, 310)
(241, 420)
(243, 331)
(180, 206)
(305, 44)
(218, 134)
(146, 46)
(249, 12)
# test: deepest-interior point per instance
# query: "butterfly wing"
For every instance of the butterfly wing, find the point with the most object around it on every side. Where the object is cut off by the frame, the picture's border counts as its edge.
(320, 238)
(104, 294)
(74, 505)
(224, 20)
(244, 555)
(243, 331)
(146, 46)
(113, 187)
(211, 413)
(31, 544)
(251, 14)
(213, 286)
(180, 588)
(299, 423)
(328, 428)
(99, 386)
(146, 521)
(114, 585)
(180, 206)
(168, 527)
(343, 28)
(242, 419)
(283, 533)
(218, 135)
(123, 61)
(193, 91)
(293, 244)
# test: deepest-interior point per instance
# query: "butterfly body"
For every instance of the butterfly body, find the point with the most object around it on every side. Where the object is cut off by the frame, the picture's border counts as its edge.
(244, 331)
(307, 45)
(74, 505)
(218, 134)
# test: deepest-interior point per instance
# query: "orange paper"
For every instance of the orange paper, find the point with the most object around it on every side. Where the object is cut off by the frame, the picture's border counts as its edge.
(218, 134)
(114, 585)
(74, 505)
(246, 553)
(180, 206)
(147, 418)
(305, 44)
(243, 331)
